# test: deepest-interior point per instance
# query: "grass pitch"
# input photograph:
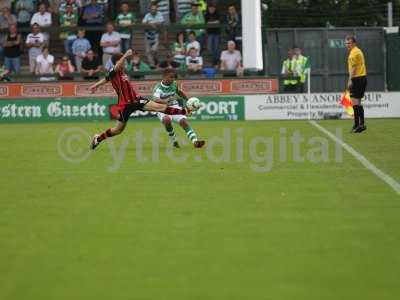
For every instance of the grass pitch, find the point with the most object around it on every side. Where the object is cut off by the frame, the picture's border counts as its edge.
(243, 219)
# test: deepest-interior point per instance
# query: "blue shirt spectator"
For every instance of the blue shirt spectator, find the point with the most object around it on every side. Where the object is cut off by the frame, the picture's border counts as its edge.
(79, 48)
(24, 10)
(93, 13)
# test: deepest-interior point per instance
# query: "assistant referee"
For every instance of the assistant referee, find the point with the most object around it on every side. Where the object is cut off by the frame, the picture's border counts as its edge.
(357, 82)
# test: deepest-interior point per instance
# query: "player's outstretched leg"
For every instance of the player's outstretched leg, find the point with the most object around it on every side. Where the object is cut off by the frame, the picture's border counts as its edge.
(170, 129)
(98, 138)
(164, 108)
(191, 134)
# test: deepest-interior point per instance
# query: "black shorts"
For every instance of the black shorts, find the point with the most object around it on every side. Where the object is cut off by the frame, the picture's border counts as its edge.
(358, 87)
(129, 108)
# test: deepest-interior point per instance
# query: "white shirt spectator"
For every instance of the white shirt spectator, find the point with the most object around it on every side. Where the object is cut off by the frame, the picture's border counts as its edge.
(44, 65)
(194, 44)
(232, 60)
(33, 38)
(194, 60)
(113, 37)
(43, 20)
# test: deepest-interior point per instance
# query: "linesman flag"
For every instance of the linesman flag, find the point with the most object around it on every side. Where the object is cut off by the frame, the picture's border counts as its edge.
(347, 103)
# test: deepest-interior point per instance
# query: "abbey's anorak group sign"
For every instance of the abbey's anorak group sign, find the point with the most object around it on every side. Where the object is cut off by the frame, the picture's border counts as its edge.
(317, 106)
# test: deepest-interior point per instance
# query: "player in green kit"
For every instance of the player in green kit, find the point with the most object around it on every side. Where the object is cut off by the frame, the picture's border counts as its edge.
(167, 92)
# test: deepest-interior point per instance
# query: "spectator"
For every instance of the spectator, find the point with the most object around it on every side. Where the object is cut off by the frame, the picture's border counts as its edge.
(6, 19)
(34, 42)
(289, 73)
(154, 18)
(195, 17)
(5, 3)
(43, 19)
(12, 50)
(193, 43)
(303, 67)
(53, 6)
(169, 63)
(110, 42)
(24, 10)
(136, 64)
(233, 21)
(63, 6)
(179, 48)
(212, 17)
(163, 8)
(93, 15)
(68, 19)
(125, 19)
(79, 48)
(44, 65)
(65, 69)
(182, 7)
(194, 62)
(231, 59)
(91, 66)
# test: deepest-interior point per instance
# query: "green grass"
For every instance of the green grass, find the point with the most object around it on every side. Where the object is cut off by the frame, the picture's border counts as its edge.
(199, 229)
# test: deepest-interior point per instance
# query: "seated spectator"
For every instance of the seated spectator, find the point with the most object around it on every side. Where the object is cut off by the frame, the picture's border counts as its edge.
(79, 48)
(4, 72)
(135, 64)
(44, 65)
(65, 69)
(24, 10)
(179, 48)
(233, 21)
(195, 17)
(91, 66)
(68, 19)
(194, 62)
(12, 50)
(193, 43)
(169, 63)
(43, 19)
(213, 34)
(231, 59)
(124, 19)
(110, 42)
(93, 15)
(34, 42)
(6, 19)
(153, 18)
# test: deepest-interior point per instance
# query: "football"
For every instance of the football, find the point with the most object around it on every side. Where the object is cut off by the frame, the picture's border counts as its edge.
(193, 103)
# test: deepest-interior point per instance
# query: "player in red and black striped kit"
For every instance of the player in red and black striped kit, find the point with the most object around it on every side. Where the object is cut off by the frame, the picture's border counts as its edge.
(128, 100)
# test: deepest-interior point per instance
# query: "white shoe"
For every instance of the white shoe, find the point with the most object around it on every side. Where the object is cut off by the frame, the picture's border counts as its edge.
(95, 142)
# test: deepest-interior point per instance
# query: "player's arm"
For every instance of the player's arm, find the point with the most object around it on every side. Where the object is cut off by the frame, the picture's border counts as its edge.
(99, 83)
(120, 63)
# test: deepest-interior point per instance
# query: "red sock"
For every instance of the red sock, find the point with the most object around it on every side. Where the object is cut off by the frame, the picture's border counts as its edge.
(175, 111)
(105, 135)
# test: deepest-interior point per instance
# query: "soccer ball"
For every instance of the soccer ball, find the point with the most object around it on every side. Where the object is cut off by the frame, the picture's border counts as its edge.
(193, 103)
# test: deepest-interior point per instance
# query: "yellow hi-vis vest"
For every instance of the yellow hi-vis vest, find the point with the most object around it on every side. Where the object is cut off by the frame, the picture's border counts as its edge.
(301, 64)
(290, 65)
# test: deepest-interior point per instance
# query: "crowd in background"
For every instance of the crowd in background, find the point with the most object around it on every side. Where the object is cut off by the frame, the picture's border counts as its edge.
(88, 52)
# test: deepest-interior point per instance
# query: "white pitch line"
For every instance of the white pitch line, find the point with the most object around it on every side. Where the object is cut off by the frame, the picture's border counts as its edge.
(364, 161)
